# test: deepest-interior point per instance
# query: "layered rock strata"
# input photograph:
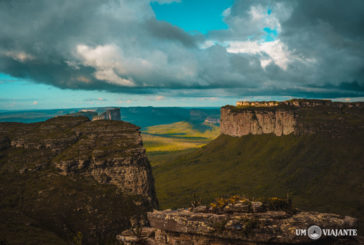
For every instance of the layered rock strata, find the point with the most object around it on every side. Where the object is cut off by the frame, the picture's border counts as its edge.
(111, 114)
(109, 151)
(299, 117)
(250, 121)
(237, 223)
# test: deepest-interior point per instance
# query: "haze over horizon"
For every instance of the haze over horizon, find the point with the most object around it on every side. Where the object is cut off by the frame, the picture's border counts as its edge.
(89, 53)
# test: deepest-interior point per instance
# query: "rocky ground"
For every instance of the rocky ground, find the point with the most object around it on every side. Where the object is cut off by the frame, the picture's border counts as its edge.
(237, 221)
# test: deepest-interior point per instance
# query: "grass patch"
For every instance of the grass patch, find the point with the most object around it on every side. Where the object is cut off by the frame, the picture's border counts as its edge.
(318, 172)
(178, 136)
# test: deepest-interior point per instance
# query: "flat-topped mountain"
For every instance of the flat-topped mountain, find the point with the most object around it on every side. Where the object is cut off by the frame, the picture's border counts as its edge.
(69, 175)
(299, 103)
(310, 149)
(298, 116)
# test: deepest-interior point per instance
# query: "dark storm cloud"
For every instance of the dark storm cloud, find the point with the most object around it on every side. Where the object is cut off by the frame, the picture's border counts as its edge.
(119, 46)
(346, 17)
(165, 30)
(331, 33)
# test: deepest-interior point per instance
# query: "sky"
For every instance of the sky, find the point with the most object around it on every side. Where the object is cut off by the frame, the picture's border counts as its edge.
(88, 53)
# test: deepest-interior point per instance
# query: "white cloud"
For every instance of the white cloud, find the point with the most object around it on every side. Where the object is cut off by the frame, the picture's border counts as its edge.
(19, 55)
(207, 44)
(110, 76)
(265, 62)
(257, 13)
(107, 61)
(276, 51)
(102, 56)
(226, 12)
(119, 67)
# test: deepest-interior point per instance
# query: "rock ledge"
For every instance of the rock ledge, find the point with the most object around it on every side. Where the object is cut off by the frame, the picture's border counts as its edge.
(238, 222)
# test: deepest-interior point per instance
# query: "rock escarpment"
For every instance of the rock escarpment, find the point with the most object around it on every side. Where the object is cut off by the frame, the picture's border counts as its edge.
(71, 178)
(237, 222)
(109, 151)
(253, 121)
(110, 114)
(299, 117)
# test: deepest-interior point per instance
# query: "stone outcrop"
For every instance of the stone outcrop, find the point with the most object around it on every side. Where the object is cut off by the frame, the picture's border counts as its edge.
(110, 114)
(299, 103)
(257, 103)
(251, 121)
(241, 222)
(84, 113)
(109, 151)
(299, 117)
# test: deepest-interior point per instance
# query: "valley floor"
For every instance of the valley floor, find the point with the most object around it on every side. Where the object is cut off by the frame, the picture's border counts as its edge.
(318, 173)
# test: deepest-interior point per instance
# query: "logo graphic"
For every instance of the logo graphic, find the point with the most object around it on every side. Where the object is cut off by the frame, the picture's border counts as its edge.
(314, 232)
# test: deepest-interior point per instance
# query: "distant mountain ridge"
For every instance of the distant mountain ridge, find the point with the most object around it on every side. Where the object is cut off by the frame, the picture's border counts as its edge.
(140, 116)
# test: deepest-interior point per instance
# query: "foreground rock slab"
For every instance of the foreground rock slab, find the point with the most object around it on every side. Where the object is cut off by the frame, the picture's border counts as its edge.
(203, 225)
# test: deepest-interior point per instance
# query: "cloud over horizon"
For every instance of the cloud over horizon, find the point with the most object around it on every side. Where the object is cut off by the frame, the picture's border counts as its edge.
(286, 48)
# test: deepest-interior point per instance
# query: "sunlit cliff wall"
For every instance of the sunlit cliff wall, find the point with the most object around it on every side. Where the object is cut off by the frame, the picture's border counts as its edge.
(297, 116)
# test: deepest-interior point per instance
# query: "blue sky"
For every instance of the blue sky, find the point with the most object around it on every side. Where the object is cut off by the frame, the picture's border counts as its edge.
(178, 52)
(20, 94)
(194, 16)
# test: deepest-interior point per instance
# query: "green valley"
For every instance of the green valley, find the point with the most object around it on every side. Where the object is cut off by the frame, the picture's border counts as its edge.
(316, 171)
(168, 140)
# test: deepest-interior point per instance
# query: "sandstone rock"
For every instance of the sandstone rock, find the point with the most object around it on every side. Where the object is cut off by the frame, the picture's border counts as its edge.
(109, 151)
(111, 114)
(257, 207)
(200, 209)
(266, 227)
(298, 116)
(244, 122)
(240, 207)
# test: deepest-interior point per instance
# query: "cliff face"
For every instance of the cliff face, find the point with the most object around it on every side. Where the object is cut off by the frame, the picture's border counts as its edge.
(111, 114)
(109, 151)
(69, 175)
(250, 121)
(300, 117)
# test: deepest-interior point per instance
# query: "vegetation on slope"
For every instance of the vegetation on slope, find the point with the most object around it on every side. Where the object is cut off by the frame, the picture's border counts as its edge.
(319, 172)
(178, 136)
